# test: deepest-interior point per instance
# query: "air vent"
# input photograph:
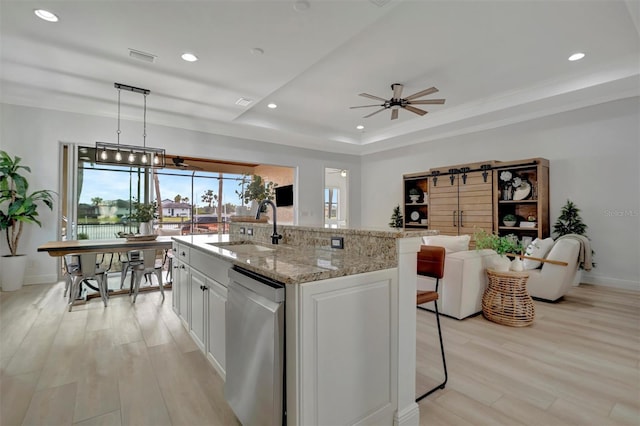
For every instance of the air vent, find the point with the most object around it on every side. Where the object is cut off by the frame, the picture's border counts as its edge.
(142, 56)
(380, 3)
(243, 102)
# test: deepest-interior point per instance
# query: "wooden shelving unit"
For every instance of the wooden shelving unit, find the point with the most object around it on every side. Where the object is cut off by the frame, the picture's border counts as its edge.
(416, 212)
(533, 204)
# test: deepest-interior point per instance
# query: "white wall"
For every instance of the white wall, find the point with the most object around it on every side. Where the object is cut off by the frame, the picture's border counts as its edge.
(34, 134)
(594, 161)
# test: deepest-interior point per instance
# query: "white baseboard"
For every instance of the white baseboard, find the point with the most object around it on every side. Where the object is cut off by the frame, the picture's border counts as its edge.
(610, 282)
(40, 279)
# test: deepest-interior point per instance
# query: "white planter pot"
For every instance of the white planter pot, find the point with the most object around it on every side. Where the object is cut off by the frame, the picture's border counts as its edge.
(517, 265)
(146, 228)
(501, 264)
(12, 269)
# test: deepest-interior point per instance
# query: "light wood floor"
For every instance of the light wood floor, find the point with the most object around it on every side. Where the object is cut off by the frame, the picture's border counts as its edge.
(578, 364)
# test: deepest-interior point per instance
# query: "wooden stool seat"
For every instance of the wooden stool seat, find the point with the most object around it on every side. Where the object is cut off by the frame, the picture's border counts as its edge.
(426, 297)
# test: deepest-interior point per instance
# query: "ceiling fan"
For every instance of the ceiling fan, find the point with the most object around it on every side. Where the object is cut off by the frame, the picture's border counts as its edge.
(179, 163)
(397, 102)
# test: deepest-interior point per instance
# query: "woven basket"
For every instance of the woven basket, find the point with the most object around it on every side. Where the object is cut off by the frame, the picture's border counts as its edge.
(506, 301)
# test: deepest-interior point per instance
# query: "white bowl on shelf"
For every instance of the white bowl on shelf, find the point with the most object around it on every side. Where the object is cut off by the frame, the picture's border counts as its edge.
(509, 222)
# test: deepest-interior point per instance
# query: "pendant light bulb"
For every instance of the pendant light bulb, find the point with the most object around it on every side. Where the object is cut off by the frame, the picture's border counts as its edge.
(104, 155)
(118, 156)
(143, 159)
(132, 157)
(156, 160)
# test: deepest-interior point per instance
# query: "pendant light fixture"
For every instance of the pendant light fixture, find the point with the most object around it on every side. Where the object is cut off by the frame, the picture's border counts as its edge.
(130, 155)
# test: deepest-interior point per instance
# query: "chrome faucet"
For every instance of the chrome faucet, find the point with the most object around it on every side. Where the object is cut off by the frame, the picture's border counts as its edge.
(275, 237)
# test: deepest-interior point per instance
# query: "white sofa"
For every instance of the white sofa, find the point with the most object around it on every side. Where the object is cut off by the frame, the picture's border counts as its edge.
(464, 279)
(551, 282)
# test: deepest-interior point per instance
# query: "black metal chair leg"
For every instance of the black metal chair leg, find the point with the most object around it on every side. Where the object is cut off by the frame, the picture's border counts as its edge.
(444, 362)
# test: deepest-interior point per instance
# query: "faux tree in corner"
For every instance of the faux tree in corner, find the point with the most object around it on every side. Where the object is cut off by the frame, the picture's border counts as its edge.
(397, 220)
(17, 207)
(570, 222)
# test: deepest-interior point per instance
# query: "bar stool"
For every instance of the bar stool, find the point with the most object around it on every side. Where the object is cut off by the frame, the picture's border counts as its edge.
(133, 259)
(431, 264)
(148, 266)
(87, 269)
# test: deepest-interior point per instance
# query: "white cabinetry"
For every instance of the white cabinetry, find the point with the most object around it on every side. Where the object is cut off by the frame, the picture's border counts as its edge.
(200, 296)
(216, 344)
(344, 341)
(199, 300)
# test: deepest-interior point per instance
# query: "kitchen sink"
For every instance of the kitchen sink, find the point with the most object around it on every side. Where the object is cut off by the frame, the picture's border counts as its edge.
(242, 247)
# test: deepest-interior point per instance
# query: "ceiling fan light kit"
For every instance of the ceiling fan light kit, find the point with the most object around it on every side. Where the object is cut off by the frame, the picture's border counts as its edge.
(130, 155)
(397, 102)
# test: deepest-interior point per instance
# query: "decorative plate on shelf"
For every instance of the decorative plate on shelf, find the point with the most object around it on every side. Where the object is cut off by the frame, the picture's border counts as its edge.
(415, 216)
(522, 192)
(136, 237)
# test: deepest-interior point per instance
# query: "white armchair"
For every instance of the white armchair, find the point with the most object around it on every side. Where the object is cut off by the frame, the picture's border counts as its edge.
(553, 281)
(463, 283)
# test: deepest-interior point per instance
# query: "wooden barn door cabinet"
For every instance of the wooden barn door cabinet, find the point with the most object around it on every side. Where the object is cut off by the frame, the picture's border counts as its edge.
(461, 199)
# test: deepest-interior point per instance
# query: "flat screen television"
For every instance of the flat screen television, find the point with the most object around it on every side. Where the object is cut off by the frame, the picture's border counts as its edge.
(284, 195)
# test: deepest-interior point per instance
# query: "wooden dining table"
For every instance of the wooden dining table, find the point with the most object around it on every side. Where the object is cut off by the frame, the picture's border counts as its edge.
(116, 245)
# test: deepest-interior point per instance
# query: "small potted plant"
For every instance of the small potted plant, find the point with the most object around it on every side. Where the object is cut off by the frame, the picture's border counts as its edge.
(500, 244)
(144, 215)
(17, 207)
(510, 220)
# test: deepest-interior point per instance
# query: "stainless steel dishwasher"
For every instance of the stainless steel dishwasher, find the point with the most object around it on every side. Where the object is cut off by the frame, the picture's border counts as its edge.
(254, 386)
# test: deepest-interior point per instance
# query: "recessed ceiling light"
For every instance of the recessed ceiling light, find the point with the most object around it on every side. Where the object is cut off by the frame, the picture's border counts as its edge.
(576, 56)
(301, 5)
(46, 15)
(359, 127)
(189, 57)
(272, 105)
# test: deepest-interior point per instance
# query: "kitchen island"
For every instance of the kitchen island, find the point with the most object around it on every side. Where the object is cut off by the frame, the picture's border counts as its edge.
(350, 314)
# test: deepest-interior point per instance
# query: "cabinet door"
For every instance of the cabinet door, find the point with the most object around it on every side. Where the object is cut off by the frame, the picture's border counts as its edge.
(475, 203)
(182, 278)
(443, 205)
(216, 333)
(198, 313)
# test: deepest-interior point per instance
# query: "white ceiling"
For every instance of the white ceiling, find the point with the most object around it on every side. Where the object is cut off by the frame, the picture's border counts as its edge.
(495, 62)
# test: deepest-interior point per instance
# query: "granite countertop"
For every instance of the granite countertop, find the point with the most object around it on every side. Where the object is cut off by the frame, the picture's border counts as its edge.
(288, 264)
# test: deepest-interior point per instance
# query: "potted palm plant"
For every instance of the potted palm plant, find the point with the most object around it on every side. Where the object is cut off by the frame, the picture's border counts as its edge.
(17, 207)
(256, 190)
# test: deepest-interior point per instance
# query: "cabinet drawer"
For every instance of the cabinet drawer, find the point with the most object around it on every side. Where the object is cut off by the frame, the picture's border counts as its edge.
(210, 266)
(181, 252)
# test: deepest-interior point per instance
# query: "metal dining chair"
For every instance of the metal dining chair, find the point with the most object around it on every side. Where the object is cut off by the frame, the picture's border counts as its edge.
(431, 264)
(150, 265)
(87, 269)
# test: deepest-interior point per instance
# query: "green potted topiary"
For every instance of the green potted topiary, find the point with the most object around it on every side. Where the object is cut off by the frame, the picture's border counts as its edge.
(17, 207)
(510, 220)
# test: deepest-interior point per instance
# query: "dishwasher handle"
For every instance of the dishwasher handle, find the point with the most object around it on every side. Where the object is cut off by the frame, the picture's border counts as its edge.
(266, 287)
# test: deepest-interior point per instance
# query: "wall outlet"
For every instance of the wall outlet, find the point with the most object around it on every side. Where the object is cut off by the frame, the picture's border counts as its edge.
(337, 242)
(249, 231)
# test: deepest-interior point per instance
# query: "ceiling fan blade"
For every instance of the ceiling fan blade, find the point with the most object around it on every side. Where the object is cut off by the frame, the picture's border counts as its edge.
(373, 113)
(364, 106)
(366, 95)
(397, 90)
(428, 102)
(424, 92)
(394, 114)
(415, 110)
